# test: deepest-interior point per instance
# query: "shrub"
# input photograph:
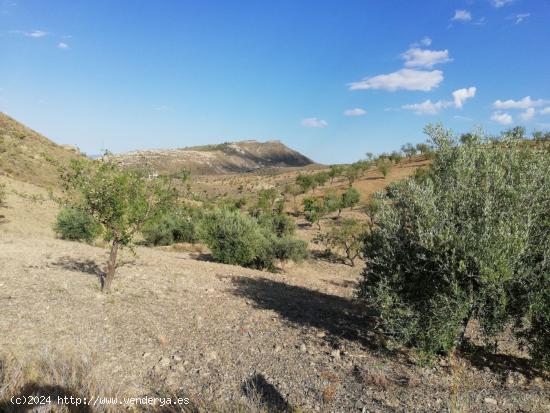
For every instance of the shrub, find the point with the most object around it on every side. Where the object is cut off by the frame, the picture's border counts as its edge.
(469, 240)
(335, 170)
(238, 239)
(347, 237)
(278, 223)
(305, 182)
(350, 198)
(76, 225)
(384, 166)
(289, 248)
(171, 228)
(314, 210)
(233, 238)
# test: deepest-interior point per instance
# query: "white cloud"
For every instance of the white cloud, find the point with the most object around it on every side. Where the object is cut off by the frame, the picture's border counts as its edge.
(502, 118)
(314, 123)
(36, 34)
(524, 103)
(432, 108)
(355, 112)
(499, 3)
(520, 17)
(528, 114)
(407, 79)
(545, 111)
(426, 41)
(428, 107)
(62, 45)
(461, 95)
(416, 57)
(462, 16)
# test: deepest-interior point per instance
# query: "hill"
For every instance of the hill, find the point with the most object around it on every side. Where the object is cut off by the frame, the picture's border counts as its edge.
(229, 157)
(27, 156)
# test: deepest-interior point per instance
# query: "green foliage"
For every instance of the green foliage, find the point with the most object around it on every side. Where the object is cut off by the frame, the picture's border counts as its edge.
(321, 178)
(288, 248)
(233, 238)
(469, 240)
(347, 237)
(314, 209)
(409, 150)
(278, 223)
(334, 171)
(76, 225)
(305, 182)
(350, 198)
(238, 239)
(172, 227)
(384, 166)
(423, 148)
(395, 157)
(541, 136)
(120, 201)
(331, 201)
(266, 199)
(351, 173)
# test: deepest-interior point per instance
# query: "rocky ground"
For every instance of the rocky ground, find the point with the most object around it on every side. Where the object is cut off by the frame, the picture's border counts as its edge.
(216, 331)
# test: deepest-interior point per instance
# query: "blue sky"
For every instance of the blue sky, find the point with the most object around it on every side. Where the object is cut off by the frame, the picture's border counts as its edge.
(333, 79)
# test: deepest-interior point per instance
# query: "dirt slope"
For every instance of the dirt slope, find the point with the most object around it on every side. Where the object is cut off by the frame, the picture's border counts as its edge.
(214, 329)
(28, 156)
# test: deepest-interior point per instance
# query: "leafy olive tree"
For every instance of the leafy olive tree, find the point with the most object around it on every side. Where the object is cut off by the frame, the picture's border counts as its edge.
(349, 199)
(314, 210)
(120, 201)
(348, 237)
(334, 171)
(469, 239)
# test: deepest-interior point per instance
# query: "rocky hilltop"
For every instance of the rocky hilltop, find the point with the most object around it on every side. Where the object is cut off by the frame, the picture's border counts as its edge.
(229, 157)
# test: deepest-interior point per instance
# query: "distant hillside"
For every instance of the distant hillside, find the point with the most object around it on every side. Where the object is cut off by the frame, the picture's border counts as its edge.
(26, 155)
(244, 156)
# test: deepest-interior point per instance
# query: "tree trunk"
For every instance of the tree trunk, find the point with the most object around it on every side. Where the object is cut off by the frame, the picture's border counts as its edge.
(111, 267)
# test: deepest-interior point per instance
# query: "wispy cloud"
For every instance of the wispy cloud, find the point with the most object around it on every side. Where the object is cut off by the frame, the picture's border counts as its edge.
(428, 107)
(497, 4)
(36, 34)
(545, 111)
(461, 95)
(62, 45)
(314, 123)
(520, 17)
(462, 16)
(163, 108)
(464, 118)
(502, 118)
(416, 57)
(355, 112)
(406, 79)
(524, 103)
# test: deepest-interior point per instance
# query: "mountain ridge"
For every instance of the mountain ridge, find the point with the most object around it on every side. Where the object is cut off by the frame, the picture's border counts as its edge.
(228, 157)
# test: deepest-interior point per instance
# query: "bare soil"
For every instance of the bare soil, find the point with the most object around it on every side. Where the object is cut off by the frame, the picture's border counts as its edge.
(213, 330)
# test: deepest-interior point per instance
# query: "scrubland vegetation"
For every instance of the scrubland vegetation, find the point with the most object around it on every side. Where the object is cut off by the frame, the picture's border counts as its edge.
(462, 245)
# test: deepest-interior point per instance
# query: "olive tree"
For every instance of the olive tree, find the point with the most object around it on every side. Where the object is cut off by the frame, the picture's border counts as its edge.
(468, 239)
(120, 201)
